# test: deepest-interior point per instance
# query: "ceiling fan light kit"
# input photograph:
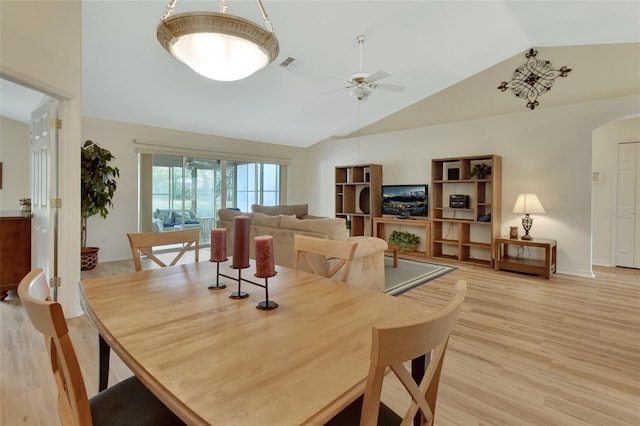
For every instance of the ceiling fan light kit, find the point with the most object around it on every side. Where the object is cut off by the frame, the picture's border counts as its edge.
(362, 84)
(218, 45)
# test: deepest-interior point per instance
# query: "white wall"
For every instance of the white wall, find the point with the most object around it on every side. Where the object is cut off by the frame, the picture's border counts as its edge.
(110, 234)
(40, 48)
(605, 161)
(546, 151)
(14, 155)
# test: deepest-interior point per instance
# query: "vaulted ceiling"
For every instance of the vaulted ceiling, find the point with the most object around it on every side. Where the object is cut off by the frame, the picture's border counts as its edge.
(451, 56)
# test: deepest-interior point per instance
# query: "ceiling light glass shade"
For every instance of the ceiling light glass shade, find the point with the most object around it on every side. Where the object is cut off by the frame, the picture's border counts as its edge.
(360, 92)
(528, 203)
(218, 46)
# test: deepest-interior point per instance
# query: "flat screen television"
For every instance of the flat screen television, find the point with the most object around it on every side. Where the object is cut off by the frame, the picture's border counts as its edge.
(405, 200)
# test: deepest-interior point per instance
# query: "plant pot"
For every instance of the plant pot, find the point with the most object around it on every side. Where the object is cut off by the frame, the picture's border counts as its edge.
(412, 248)
(88, 258)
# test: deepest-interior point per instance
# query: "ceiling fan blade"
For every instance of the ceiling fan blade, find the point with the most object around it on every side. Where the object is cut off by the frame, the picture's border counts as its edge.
(378, 76)
(339, 78)
(391, 87)
(336, 90)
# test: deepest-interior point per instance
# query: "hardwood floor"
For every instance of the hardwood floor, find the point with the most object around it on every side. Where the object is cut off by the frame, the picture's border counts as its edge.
(525, 351)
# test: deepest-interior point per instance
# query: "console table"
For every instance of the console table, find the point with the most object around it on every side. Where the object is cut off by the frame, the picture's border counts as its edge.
(425, 225)
(545, 266)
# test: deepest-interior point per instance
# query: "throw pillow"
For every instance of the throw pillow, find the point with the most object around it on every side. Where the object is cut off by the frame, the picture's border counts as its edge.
(262, 219)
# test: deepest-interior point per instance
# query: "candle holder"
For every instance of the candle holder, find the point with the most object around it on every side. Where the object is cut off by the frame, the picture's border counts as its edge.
(217, 285)
(266, 305)
(239, 294)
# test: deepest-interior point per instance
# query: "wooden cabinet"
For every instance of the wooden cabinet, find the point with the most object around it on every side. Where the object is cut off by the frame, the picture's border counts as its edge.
(466, 233)
(15, 251)
(359, 195)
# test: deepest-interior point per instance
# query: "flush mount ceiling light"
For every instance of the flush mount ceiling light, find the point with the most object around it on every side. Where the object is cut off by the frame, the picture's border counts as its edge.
(533, 78)
(217, 45)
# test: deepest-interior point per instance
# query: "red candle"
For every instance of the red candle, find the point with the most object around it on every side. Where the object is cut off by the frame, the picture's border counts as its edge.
(241, 241)
(264, 256)
(218, 245)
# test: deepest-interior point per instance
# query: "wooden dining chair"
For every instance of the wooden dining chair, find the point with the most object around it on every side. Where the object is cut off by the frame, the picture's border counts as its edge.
(126, 403)
(143, 243)
(342, 251)
(391, 348)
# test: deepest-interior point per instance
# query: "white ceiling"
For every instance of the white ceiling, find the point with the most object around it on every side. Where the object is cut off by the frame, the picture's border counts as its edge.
(426, 46)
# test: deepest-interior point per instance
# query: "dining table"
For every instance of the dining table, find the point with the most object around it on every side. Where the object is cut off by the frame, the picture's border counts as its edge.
(214, 359)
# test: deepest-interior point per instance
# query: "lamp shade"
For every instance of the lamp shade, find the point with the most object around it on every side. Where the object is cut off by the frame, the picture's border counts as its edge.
(528, 203)
(218, 46)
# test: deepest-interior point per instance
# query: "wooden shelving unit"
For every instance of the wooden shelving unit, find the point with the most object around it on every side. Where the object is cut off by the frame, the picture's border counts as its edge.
(359, 195)
(425, 225)
(463, 234)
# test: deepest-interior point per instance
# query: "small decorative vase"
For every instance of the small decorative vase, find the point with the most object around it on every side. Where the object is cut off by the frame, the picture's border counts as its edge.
(25, 209)
(513, 232)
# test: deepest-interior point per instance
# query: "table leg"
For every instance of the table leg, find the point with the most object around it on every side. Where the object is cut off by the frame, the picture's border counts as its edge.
(547, 262)
(104, 351)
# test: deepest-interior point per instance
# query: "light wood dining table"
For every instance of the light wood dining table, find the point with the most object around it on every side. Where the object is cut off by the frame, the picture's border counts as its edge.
(216, 360)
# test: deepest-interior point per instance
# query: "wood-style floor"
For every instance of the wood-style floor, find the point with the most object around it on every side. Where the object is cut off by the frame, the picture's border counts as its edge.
(525, 351)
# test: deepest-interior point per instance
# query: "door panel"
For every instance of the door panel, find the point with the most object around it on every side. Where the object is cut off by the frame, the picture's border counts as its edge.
(43, 179)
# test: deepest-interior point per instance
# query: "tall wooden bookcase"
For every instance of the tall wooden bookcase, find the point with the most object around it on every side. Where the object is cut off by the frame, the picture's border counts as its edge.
(464, 234)
(359, 195)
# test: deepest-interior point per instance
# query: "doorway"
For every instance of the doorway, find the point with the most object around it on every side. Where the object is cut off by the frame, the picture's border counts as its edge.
(628, 206)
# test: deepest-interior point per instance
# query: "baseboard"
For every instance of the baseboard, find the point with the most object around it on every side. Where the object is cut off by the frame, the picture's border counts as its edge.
(577, 272)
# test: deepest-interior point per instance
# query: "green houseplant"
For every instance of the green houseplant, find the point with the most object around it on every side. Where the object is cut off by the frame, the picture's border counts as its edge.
(97, 186)
(406, 241)
(481, 170)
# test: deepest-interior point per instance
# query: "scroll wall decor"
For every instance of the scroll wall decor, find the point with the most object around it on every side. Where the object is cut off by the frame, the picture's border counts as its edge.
(533, 78)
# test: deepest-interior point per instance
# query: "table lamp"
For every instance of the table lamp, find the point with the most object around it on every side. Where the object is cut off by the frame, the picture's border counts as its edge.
(527, 203)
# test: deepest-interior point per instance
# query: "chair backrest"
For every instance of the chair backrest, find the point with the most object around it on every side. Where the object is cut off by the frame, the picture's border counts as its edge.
(342, 251)
(392, 347)
(144, 243)
(48, 318)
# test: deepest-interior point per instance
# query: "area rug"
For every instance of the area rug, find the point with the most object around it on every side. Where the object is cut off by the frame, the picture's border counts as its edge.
(410, 274)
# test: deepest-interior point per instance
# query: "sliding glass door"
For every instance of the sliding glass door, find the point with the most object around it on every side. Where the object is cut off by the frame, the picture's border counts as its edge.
(186, 192)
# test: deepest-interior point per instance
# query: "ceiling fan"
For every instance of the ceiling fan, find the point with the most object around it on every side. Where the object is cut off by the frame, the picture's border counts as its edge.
(361, 84)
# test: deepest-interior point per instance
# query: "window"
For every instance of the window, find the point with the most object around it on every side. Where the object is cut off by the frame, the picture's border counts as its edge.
(258, 183)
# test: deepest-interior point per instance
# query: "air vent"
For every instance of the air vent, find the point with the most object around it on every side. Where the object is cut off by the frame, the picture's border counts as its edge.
(287, 62)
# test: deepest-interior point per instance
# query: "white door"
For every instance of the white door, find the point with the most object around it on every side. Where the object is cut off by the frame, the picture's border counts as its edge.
(44, 137)
(628, 206)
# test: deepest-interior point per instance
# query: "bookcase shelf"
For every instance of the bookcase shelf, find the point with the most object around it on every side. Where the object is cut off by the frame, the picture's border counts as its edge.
(358, 195)
(465, 234)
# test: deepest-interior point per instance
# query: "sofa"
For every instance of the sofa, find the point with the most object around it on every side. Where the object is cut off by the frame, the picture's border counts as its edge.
(283, 222)
(166, 219)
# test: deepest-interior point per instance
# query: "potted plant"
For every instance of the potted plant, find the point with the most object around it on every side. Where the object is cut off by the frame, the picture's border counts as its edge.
(25, 206)
(97, 186)
(481, 170)
(406, 241)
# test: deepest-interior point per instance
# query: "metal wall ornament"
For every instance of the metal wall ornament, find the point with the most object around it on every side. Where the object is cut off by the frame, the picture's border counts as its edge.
(533, 78)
